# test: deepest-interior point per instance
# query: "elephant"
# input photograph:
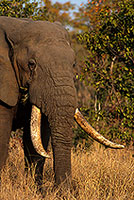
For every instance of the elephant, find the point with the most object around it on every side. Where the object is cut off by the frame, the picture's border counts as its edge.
(37, 56)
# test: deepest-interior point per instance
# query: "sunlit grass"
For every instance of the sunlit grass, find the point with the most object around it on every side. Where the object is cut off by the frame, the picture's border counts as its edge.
(97, 174)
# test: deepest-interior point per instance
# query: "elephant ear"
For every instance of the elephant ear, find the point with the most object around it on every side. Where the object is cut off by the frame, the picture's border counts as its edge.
(9, 90)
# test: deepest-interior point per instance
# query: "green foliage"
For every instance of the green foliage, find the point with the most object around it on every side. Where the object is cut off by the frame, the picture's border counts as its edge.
(56, 11)
(19, 8)
(37, 10)
(109, 67)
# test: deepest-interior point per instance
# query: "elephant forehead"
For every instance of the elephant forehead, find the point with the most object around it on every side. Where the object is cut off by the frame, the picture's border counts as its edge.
(53, 41)
(44, 31)
(58, 53)
(52, 29)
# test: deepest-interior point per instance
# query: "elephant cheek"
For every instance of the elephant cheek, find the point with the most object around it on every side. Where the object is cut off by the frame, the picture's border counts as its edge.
(35, 94)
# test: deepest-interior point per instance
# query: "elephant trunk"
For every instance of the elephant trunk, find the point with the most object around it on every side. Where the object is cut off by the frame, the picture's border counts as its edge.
(93, 133)
(35, 131)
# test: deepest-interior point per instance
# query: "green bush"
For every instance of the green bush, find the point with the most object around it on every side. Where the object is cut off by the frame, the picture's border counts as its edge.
(109, 69)
(19, 8)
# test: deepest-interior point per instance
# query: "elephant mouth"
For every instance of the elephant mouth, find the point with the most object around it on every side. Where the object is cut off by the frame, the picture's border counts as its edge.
(35, 126)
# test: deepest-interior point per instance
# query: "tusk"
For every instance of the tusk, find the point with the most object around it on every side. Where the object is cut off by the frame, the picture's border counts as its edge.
(93, 133)
(35, 131)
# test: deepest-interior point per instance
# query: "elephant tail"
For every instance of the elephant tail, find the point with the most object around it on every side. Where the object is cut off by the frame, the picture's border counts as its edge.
(93, 133)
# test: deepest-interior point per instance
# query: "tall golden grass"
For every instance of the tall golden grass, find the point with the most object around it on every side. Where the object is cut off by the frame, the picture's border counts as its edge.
(97, 174)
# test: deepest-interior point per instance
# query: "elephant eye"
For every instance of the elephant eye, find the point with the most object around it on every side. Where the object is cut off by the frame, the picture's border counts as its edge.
(32, 64)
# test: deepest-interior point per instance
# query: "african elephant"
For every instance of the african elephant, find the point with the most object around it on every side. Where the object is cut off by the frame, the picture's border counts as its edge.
(37, 55)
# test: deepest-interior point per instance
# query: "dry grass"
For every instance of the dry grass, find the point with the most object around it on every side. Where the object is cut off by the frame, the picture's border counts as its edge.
(97, 175)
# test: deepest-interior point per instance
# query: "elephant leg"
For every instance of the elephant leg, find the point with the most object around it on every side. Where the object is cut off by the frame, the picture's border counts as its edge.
(6, 117)
(32, 159)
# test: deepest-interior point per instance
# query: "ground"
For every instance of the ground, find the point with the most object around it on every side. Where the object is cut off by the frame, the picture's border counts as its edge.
(97, 173)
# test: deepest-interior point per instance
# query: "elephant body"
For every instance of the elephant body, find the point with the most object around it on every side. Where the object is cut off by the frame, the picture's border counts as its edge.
(37, 55)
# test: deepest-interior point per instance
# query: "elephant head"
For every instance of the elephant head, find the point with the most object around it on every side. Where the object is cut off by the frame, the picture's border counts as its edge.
(38, 55)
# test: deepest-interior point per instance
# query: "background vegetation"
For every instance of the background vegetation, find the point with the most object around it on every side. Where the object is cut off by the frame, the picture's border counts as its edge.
(109, 67)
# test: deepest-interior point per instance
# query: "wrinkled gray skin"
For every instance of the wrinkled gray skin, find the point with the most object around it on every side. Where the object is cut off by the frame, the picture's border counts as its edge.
(37, 55)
